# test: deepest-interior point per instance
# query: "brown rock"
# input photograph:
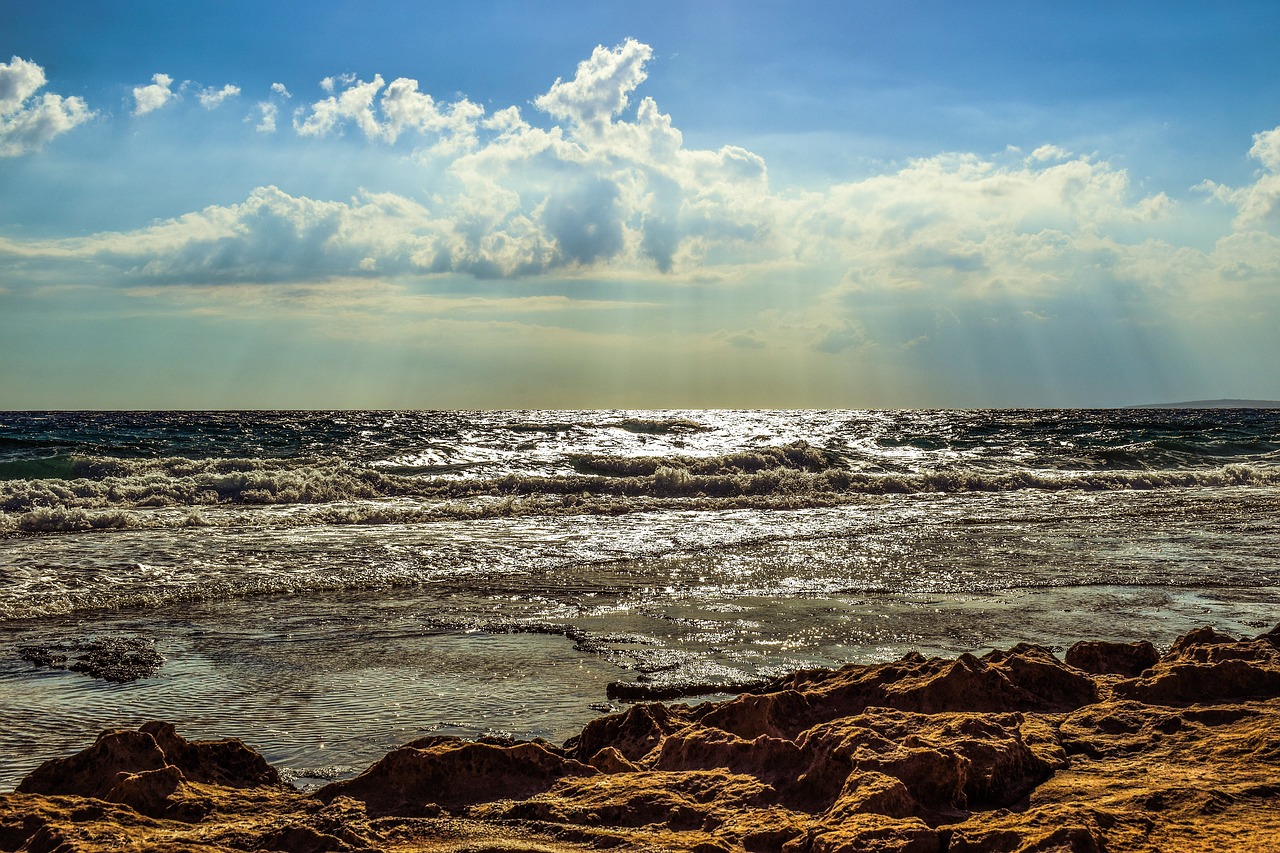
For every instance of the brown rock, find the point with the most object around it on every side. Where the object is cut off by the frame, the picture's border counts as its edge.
(857, 759)
(214, 762)
(410, 780)
(1205, 636)
(635, 733)
(1185, 683)
(609, 760)
(1025, 678)
(95, 771)
(1102, 658)
(873, 834)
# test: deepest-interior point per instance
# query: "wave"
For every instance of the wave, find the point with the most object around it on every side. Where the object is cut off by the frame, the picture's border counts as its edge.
(789, 477)
(659, 426)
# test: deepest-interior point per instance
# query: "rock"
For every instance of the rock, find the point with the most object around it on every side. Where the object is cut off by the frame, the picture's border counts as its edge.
(1207, 667)
(1205, 636)
(1024, 678)
(634, 733)
(869, 833)
(1102, 658)
(118, 659)
(415, 780)
(215, 762)
(1010, 751)
(95, 771)
(148, 770)
(609, 760)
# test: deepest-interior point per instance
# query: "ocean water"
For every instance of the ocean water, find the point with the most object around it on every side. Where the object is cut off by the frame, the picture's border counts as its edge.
(328, 585)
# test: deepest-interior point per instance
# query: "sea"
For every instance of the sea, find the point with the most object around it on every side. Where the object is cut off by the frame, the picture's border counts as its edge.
(328, 585)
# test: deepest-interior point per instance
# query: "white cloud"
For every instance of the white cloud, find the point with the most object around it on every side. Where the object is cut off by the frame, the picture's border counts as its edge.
(401, 107)
(27, 122)
(600, 184)
(279, 89)
(212, 98)
(1049, 152)
(600, 88)
(1257, 204)
(154, 95)
(267, 112)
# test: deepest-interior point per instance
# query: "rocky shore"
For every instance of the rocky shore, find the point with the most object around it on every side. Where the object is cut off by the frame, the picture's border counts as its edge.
(1116, 748)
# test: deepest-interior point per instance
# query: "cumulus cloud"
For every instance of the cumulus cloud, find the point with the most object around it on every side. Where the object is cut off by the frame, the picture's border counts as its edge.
(267, 114)
(154, 95)
(599, 181)
(1258, 204)
(211, 98)
(28, 122)
(400, 108)
(601, 87)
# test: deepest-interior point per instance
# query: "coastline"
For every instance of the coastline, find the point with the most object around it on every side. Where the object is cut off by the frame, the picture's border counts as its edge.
(1116, 748)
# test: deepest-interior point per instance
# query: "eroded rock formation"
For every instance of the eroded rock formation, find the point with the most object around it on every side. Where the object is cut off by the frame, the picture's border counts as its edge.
(1117, 749)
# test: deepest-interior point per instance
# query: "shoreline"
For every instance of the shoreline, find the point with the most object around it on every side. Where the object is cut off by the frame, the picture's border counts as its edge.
(1118, 747)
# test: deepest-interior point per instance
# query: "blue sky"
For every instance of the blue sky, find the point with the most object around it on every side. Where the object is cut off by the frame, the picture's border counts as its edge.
(862, 204)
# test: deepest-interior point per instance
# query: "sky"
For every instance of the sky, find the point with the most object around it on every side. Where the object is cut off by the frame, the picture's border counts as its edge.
(861, 204)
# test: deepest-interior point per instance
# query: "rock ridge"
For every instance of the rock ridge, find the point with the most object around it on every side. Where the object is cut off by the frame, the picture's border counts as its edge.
(1116, 748)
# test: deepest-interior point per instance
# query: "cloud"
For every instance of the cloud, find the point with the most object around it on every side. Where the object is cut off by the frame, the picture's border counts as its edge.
(267, 114)
(837, 339)
(597, 184)
(212, 98)
(401, 108)
(600, 88)
(279, 89)
(1258, 204)
(154, 95)
(746, 339)
(28, 122)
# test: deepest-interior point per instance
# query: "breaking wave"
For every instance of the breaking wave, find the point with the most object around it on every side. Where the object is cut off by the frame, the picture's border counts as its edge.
(177, 492)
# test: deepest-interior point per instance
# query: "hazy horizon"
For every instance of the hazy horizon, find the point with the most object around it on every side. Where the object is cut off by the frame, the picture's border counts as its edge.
(868, 205)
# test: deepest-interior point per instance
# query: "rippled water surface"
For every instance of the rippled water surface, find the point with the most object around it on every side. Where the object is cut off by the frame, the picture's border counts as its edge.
(328, 585)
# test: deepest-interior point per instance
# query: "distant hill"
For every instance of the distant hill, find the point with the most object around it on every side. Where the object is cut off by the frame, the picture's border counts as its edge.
(1214, 404)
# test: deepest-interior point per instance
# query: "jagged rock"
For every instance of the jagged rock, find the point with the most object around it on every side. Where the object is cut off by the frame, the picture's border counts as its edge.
(1010, 751)
(609, 760)
(1024, 678)
(871, 833)
(1102, 658)
(93, 772)
(148, 769)
(120, 659)
(634, 733)
(215, 762)
(415, 780)
(683, 801)
(1207, 667)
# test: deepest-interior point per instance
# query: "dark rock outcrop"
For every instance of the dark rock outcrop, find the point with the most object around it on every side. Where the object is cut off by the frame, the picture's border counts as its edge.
(448, 773)
(148, 769)
(1102, 658)
(118, 659)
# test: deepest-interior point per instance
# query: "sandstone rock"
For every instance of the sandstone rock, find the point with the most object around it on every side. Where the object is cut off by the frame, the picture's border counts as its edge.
(411, 780)
(1010, 751)
(1183, 683)
(93, 772)
(609, 760)
(149, 769)
(635, 733)
(215, 762)
(1025, 678)
(870, 833)
(1102, 658)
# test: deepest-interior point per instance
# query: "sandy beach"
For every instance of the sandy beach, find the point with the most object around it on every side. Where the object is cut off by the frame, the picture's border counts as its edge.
(1119, 747)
